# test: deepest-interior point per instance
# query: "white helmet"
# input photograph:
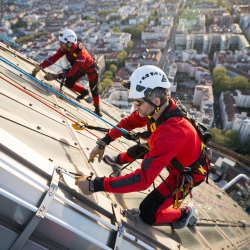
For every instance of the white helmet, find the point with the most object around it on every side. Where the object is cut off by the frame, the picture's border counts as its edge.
(145, 79)
(68, 36)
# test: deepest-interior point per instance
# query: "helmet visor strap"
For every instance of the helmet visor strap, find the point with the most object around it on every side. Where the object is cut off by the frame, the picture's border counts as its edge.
(157, 108)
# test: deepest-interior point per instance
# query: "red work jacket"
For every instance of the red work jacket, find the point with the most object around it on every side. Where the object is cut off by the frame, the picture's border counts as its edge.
(83, 59)
(174, 139)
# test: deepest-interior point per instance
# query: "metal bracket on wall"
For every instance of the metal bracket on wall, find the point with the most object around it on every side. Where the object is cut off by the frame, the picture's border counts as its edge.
(120, 232)
(40, 214)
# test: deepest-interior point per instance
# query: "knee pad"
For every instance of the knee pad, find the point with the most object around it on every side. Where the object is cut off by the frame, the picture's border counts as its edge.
(69, 83)
(149, 206)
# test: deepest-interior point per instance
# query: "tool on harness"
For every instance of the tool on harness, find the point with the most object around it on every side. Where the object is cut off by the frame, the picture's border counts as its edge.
(185, 189)
(187, 172)
(65, 71)
(83, 125)
(96, 65)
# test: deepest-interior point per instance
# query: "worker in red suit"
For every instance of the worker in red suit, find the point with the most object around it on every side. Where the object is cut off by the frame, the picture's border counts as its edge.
(173, 142)
(81, 62)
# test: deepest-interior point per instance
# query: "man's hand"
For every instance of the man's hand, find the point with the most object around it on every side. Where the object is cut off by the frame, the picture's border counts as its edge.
(98, 150)
(86, 186)
(36, 70)
(50, 77)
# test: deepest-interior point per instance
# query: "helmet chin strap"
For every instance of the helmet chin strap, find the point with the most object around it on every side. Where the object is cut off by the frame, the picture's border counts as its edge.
(157, 108)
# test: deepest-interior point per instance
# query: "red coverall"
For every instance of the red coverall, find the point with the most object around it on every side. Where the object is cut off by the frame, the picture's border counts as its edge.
(175, 140)
(82, 65)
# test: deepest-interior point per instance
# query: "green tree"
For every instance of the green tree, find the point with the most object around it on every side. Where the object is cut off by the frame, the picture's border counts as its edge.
(130, 46)
(225, 138)
(116, 30)
(113, 11)
(111, 26)
(113, 68)
(247, 143)
(108, 82)
(107, 75)
(240, 82)
(181, 11)
(237, 19)
(101, 12)
(89, 18)
(209, 21)
(107, 64)
(120, 59)
(123, 4)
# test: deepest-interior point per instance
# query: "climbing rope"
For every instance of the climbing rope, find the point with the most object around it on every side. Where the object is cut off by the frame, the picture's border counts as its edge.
(31, 51)
(51, 108)
(121, 130)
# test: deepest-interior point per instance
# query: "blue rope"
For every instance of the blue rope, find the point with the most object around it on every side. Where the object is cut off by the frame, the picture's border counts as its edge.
(121, 130)
(31, 52)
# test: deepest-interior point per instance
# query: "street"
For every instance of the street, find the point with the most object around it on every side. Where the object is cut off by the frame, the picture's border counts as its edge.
(167, 55)
(217, 117)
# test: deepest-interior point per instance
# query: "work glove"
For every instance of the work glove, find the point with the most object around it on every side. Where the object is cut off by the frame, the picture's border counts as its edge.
(85, 184)
(50, 77)
(36, 70)
(98, 150)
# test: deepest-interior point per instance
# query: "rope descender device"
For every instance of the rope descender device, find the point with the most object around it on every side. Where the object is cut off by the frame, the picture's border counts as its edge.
(83, 125)
(79, 125)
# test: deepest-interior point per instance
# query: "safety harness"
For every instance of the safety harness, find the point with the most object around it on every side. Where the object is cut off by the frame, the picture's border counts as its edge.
(186, 173)
(72, 59)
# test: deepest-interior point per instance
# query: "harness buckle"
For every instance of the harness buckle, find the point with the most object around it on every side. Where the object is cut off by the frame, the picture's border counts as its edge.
(202, 170)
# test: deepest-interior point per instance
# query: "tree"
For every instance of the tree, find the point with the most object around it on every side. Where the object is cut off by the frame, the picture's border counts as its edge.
(123, 4)
(247, 143)
(237, 19)
(225, 138)
(116, 30)
(113, 68)
(108, 63)
(181, 11)
(108, 82)
(209, 21)
(113, 11)
(130, 46)
(120, 59)
(101, 12)
(240, 82)
(107, 75)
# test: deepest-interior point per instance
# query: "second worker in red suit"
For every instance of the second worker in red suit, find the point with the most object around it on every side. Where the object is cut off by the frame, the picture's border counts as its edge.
(174, 142)
(81, 62)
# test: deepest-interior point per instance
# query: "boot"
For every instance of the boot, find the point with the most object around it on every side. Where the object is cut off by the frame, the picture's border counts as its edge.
(98, 111)
(184, 219)
(112, 161)
(82, 95)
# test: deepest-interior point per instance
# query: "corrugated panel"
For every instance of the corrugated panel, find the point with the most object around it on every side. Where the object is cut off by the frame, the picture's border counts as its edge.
(212, 235)
(210, 214)
(229, 233)
(43, 144)
(34, 117)
(28, 99)
(26, 82)
(183, 236)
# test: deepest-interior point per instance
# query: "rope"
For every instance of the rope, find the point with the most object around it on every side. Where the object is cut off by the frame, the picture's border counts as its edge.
(52, 108)
(31, 52)
(121, 130)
